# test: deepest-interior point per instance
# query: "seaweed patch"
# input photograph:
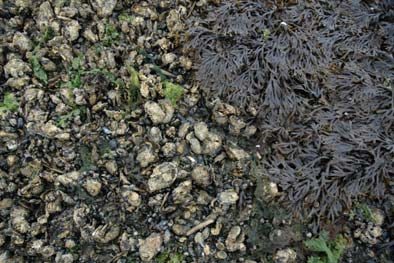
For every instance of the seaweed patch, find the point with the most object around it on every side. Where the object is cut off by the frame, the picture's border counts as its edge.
(321, 75)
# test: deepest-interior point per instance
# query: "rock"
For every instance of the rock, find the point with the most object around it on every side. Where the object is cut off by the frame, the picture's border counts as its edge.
(132, 199)
(12, 160)
(16, 68)
(249, 131)
(127, 243)
(235, 239)
(18, 219)
(168, 58)
(47, 251)
(50, 130)
(69, 12)
(195, 144)
(377, 216)
(64, 136)
(53, 202)
(31, 169)
(163, 43)
(269, 190)
(23, 3)
(155, 135)
(179, 230)
(12, 145)
(222, 111)
(228, 197)
(71, 30)
(281, 237)
(22, 42)
(93, 186)
(150, 247)
(201, 176)
(6, 203)
(79, 97)
(86, 10)
(182, 192)
(104, 7)
(2, 241)
(33, 188)
(111, 167)
(69, 243)
(168, 149)
(185, 62)
(181, 147)
(18, 83)
(47, 64)
(37, 245)
(64, 258)
(106, 233)
(221, 255)
(145, 11)
(89, 35)
(236, 125)
(162, 176)
(113, 144)
(212, 144)
(174, 21)
(69, 179)
(80, 215)
(237, 154)
(287, 255)
(183, 129)
(215, 231)
(45, 14)
(168, 108)
(219, 118)
(146, 155)
(144, 89)
(201, 130)
(159, 113)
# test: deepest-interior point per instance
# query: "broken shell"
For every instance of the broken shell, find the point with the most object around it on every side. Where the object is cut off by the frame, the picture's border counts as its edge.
(150, 247)
(181, 193)
(201, 176)
(162, 176)
(228, 197)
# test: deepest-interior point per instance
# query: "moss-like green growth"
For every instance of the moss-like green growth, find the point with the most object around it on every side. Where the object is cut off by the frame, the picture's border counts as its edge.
(86, 157)
(173, 92)
(75, 73)
(167, 257)
(364, 211)
(9, 103)
(126, 18)
(133, 88)
(266, 34)
(333, 249)
(38, 70)
(115, 81)
(63, 120)
(111, 35)
(48, 35)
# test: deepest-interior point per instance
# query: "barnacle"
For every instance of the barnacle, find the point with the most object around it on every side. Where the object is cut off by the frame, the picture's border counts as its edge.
(321, 74)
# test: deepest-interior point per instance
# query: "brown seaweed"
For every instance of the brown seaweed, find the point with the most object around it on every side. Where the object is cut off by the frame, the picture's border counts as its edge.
(321, 74)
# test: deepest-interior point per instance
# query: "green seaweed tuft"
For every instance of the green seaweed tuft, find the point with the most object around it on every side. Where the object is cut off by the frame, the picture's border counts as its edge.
(9, 103)
(173, 92)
